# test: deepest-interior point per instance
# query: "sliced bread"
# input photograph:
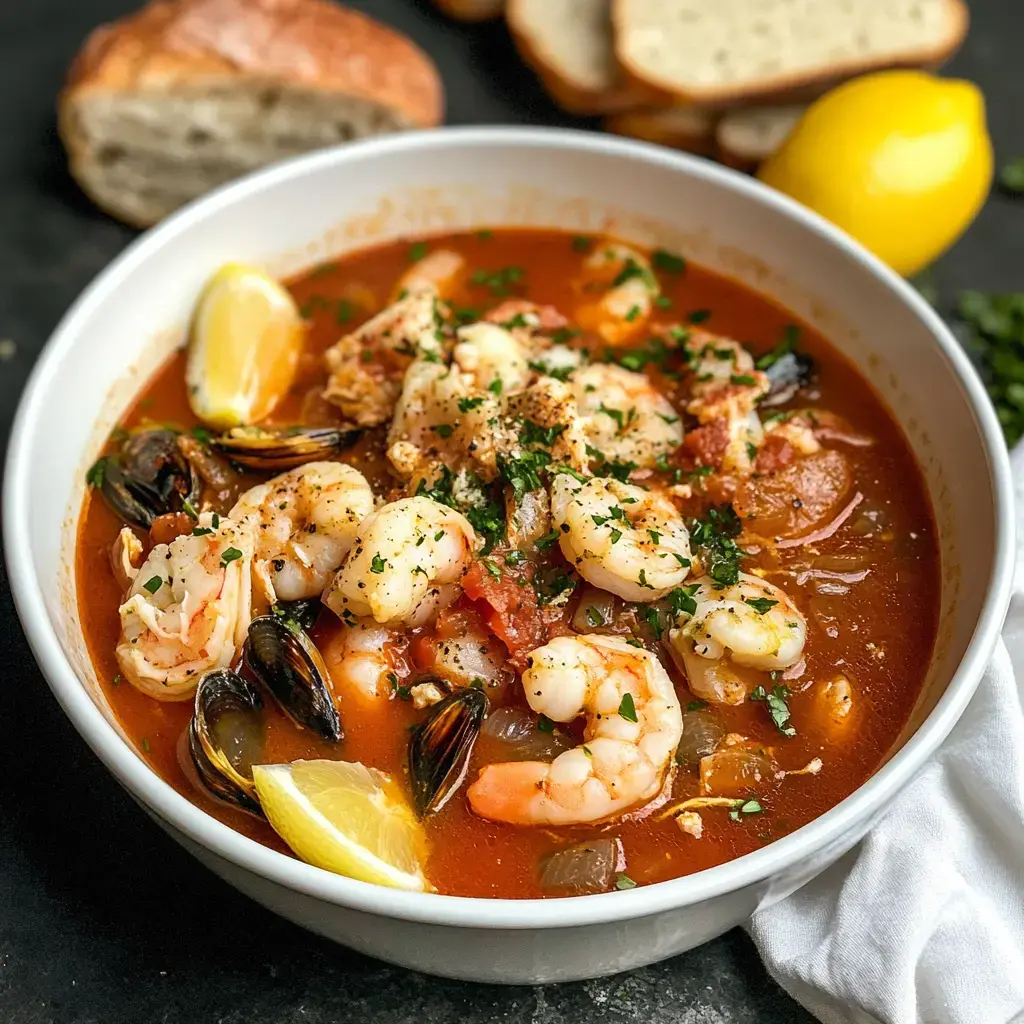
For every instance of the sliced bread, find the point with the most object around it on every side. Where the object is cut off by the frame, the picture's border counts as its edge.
(728, 51)
(688, 128)
(169, 102)
(471, 10)
(747, 137)
(568, 43)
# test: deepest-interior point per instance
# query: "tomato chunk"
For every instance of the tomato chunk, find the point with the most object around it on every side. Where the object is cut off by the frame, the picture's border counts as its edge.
(509, 608)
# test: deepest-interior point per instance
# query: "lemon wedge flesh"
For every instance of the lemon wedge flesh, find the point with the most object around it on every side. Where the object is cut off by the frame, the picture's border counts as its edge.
(246, 338)
(342, 816)
(902, 160)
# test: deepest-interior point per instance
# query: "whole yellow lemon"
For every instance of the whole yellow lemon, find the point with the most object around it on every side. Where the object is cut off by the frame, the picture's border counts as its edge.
(901, 160)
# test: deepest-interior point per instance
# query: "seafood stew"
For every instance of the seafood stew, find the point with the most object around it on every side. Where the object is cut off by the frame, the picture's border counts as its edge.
(524, 543)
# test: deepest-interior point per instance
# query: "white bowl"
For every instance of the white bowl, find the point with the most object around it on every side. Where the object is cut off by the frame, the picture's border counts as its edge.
(341, 199)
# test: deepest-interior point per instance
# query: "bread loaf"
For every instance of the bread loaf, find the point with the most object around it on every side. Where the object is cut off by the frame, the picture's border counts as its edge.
(725, 52)
(688, 128)
(171, 101)
(747, 137)
(471, 10)
(568, 43)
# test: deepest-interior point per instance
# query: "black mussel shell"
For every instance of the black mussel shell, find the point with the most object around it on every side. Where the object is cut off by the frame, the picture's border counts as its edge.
(225, 737)
(285, 448)
(149, 477)
(300, 614)
(440, 748)
(287, 663)
(788, 374)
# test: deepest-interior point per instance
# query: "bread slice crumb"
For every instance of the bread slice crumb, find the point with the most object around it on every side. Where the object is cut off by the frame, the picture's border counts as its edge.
(727, 51)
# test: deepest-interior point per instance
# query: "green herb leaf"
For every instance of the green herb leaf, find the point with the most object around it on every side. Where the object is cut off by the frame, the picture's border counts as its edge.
(627, 709)
(97, 471)
(492, 567)
(229, 555)
(417, 251)
(465, 404)
(669, 262)
(696, 705)
(154, 584)
(377, 564)
(698, 316)
(594, 616)
(790, 338)
(580, 243)
(623, 881)
(544, 724)
(714, 536)
(777, 706)
(761, 605)
(549, 538)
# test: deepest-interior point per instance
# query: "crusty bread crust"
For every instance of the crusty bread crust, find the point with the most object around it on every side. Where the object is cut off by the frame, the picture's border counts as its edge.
(297, 42)
(471, 10)
(782, 87)
(537, 54)
(692, 130)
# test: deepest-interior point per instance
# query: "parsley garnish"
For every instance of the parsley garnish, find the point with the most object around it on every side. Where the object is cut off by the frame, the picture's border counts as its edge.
(154, 584)
(465, 404)
(698, 316)
(94, 477)
(790, 337)
(594, 616)
(229, 555)
(632, 314)
(681, 600)
(696, 705)
(745, 807)
(544, 724)
(444, 430)
(669, 262)
(492, 567)
(623, 881)
(377, 564)
(580, 243)
(543, 543)
(417, 251)
(633, 269)
(716, 535)
(1011, 177)
(627, 709)
(501, 281)
(777, 706)
(761, 605)
(742, 378)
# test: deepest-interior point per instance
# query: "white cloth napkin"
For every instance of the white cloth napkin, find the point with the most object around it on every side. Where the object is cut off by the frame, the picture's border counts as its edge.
(923, 921)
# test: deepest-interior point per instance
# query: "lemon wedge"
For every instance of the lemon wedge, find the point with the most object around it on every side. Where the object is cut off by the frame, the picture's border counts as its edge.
(902, 160)
(342, 816)
(246, 338)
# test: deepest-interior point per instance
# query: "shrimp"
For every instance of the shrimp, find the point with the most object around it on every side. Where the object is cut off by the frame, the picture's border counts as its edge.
(632, 288)
(493, 358)
(126, 557)
(725, 391)
(361, 658)
(633, 727)
(366, 368)
(619, 537)
(406, 563)
(304, 522)
(734, 636)
(438, 270)
(624, 417)
(188, 608)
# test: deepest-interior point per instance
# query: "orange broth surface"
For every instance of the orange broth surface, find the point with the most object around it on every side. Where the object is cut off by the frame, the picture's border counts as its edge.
(880, 634)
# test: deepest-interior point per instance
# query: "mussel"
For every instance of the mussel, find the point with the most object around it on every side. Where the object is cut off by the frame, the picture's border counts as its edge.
(440, 748)
(287, 663)
(789, 373)
(225, 737)
(149, 477)
(282, 448)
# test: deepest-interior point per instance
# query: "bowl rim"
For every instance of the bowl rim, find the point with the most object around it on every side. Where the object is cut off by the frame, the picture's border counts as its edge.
(184, 817)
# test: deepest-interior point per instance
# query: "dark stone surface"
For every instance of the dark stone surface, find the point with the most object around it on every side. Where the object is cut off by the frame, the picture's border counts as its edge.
(102, 917)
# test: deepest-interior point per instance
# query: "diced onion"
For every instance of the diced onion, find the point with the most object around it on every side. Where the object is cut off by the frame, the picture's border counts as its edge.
(702, 732)
(581, 868)
(521, 737)
(595, 613)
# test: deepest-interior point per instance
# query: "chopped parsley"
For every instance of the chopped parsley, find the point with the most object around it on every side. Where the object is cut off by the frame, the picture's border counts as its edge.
(97, 471)
(544, 724)
(444, 430)
(594, 616)
(229, 555)
(492, 567)
(622, 419)
(623, 881)
(154, 584)
(775, 701)
(653, 619)
(201, 531)
(633, 269)
(501, 282)
(715, 536)
(742, 378)
(557, 372)
(696, 705)
(790, 337)
(668, 262)
(627, 708)
(761, 605)
(522, 471)
(698, 316)
(745, 807)
(496, 386)
(549, 538)
(681, 600)
(417, 251)
(189, 509)
(202, 435)
(377, 564)
(534, 433)
(632, 314)
(465, 404)
(580, 243)
(995, 324)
